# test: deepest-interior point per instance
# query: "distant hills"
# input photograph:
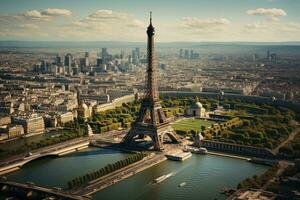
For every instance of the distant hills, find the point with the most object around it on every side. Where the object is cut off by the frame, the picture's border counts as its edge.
(287, 48)
(119, 44)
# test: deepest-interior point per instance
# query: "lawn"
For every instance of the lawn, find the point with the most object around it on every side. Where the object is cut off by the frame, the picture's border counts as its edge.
(191, 124)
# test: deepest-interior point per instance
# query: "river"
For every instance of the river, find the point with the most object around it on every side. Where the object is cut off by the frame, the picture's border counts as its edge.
(205, 175)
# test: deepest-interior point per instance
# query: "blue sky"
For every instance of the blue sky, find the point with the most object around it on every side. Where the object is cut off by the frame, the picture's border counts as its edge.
(126, 20)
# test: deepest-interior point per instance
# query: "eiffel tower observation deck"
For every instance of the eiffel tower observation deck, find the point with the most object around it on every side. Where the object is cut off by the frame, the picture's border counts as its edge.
(151, 120)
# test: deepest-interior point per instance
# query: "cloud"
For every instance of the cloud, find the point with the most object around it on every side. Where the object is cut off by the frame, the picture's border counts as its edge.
(204, 27)
(269, 12)
(124, 26)
(79, 24)
(193, 22)
(9, 33)
(271, 31)
(137, 23)
(43, 15)
(9, 18)
(253, 26)
(29, 26)
(289, 27)
(56, 12)
(108, 19)
(34, 14)
(101, 15)
(106, 24)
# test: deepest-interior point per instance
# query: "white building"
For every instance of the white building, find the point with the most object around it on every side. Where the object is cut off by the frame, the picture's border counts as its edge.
(196, 110)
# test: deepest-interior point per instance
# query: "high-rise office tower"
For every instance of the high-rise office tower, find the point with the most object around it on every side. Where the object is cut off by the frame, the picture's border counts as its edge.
(186, 54)
(255, 57)
(268, 56)
(181, 53)
(137, 50)
(192, 54)
(196, 56)
(99, 62)
(273, 58)
(122, 54)
(58, 60)
(68, 60)
(135, 57)
(86, 59)
(104, 55)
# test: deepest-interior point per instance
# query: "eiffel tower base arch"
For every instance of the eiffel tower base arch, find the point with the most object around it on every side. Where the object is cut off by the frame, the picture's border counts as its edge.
(155, 133)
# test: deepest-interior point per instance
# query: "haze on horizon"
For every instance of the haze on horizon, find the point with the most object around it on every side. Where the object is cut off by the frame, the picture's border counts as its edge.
(126, 20)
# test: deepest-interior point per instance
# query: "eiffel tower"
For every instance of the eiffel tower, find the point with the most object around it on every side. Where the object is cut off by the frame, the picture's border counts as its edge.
(151, 120)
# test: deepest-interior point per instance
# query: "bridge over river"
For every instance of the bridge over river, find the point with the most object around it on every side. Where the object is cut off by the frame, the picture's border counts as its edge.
(37, 192)
(17, 162)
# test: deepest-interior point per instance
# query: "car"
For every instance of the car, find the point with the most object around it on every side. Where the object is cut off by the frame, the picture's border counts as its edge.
(28, 154)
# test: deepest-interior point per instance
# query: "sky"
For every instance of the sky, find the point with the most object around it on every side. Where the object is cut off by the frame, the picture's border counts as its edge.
(127, 20)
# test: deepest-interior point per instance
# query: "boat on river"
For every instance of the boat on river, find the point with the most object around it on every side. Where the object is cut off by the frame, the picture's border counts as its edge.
(162, 178)
(182, 184)
(200, 150)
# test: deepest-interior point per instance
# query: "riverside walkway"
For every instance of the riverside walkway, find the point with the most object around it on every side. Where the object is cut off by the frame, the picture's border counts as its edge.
(228, 155)
(119, 175)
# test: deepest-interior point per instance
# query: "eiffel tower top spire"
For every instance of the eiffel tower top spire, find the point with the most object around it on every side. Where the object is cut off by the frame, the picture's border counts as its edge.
(150, 29)
(151, 85)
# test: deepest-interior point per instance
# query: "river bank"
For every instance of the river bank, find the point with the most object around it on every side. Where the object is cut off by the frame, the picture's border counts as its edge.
(228, 155)
(205, 175)
(119, 175)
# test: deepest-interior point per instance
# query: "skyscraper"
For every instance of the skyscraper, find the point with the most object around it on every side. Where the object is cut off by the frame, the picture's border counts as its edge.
(138, 52)
(186, 54)
(181, 53)
(104, 55)
(135, 56)
(99, 62)
(192, 54)
(58, 60)
(255, 57)
(268, 55)
(122, 54)
(273, 58)
(68, 60)
(87, 59)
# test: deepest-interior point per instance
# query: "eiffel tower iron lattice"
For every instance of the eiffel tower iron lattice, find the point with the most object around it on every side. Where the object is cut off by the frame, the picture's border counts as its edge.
(151, 120)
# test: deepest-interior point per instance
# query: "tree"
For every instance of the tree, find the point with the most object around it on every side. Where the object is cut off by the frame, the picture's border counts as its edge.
(70, 184)
(203, 128)
(286, 150)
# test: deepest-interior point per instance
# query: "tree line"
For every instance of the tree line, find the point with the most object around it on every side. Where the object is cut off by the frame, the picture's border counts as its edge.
(84, 179)
(65, 136)
(257, 182)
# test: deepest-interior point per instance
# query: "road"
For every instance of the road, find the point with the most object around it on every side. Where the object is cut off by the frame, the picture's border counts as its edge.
(282, 166)
(290, 138)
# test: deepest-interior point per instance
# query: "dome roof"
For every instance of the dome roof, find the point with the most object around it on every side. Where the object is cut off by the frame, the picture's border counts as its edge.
(197, 105)
(289, 95)
(83, 105)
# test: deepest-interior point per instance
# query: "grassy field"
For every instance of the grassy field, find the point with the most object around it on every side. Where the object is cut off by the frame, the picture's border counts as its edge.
(191, 124)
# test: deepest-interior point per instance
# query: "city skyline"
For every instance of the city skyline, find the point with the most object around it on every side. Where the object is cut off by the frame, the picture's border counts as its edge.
(191, 21)
(103, 100)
